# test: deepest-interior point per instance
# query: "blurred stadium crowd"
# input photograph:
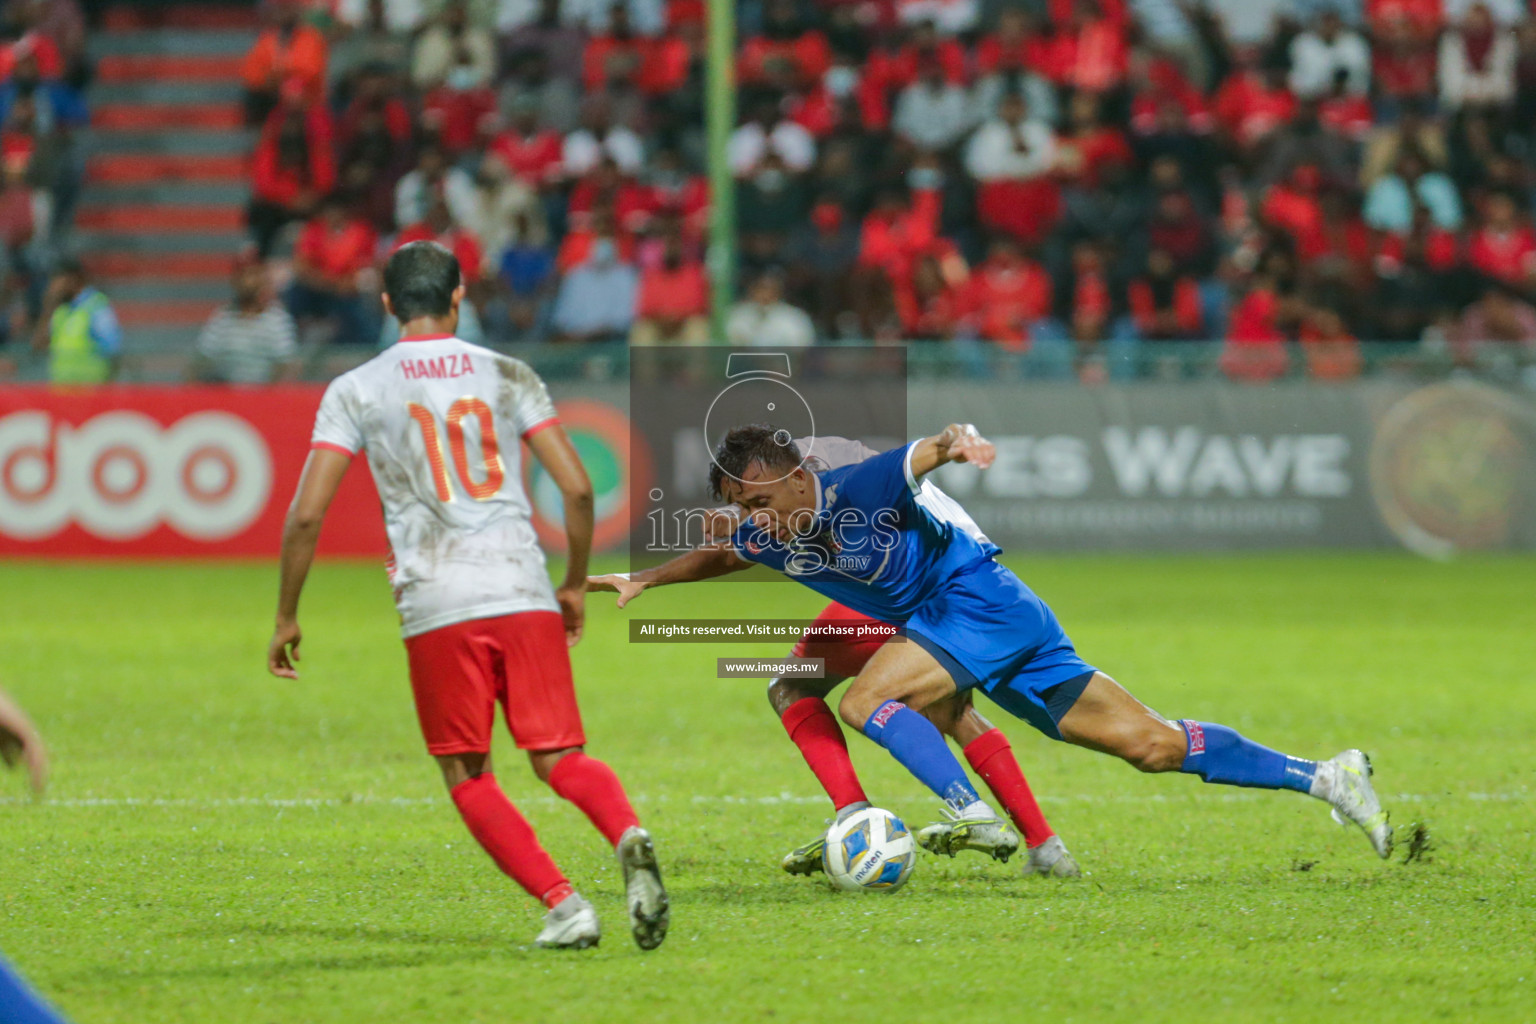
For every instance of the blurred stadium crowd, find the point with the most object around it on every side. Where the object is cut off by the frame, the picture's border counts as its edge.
(1084, 183)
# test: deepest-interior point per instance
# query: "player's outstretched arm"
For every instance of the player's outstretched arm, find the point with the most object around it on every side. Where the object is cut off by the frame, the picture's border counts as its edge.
(553, 448)
(301, 532)
(958, 442)
(19, 741)
(699, 564)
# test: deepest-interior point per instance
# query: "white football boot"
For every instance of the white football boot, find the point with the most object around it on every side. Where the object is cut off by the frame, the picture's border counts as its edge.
(644, 894)
(570, 924)
(1052, 859)
(1344, 780)
(974, 828)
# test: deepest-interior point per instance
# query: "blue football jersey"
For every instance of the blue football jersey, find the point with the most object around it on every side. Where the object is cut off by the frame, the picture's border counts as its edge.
(874, 547)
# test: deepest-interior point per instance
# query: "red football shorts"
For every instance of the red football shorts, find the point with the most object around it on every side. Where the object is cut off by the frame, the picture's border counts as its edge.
(845, 655)
(460, 672)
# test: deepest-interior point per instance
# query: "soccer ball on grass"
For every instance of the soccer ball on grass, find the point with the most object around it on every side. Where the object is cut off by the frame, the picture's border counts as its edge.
(869, 850)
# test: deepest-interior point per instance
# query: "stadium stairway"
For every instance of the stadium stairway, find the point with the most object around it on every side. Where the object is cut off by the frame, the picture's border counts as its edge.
(160, 219)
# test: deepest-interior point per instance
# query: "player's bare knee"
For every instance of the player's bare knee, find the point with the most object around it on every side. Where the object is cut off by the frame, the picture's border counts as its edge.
(856, 707)
(544, 761)
(460, 768)
(785, 693)
(1154, 748)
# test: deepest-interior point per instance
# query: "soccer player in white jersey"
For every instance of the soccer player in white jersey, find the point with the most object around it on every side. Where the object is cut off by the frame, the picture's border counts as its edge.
(440, 421)
(802, 707)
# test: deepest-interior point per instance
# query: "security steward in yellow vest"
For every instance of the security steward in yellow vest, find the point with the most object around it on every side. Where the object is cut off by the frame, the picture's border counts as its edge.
(78, 330)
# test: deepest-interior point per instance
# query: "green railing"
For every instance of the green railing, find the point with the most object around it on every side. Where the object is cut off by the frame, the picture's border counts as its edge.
(1153, 361)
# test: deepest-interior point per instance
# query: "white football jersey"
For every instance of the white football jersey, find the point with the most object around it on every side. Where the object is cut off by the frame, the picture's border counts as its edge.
(831, 452)
(441, 421)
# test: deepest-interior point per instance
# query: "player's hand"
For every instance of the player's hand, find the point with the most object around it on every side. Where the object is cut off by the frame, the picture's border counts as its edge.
(971, 447)
(618, 582)
(283, 651)
(20, 743)
(573, 609)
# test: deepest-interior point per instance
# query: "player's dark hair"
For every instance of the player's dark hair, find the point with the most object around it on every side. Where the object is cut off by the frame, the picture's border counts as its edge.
(743, 446)
(420, 280)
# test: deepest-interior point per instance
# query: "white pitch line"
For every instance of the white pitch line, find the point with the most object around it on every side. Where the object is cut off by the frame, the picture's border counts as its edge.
(767, 800)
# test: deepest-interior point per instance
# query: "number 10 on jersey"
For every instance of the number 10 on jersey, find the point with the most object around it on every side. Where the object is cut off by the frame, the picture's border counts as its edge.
(490, 450)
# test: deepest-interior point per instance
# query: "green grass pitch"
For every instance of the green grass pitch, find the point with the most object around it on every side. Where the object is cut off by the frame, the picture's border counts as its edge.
(222, 846)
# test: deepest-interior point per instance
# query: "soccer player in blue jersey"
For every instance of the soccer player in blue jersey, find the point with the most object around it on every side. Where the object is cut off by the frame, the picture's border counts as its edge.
(857, 536)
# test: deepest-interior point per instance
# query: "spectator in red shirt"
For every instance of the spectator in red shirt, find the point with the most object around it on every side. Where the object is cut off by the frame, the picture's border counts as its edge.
(1010, 299)
(1165, 305)
(786, 55)
(1253, 103)
(1345, 113)
(461, 116)
(1018, 44)
(605, 185)
(846, 85)
(898, 230)
(463, 243)
(1100, 56)
(1292, 205)
(672, 190)
(601, 226)
(1088, 145)
(1088, 297)
(1159, 84)
(374, 95)
(292, 168)
(1403, 64)
(527, 149)
(895, 70)
(1425, 16)
(614, 59)
(36, 47)
(288, 58)
(1330, 350)
(1255, 348)
(930, 305)
(1177, 227)
(334, 275)
(1504, 248)
(673, 303)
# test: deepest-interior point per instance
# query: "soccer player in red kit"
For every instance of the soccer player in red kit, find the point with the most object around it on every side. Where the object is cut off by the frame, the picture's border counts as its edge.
(481, 623)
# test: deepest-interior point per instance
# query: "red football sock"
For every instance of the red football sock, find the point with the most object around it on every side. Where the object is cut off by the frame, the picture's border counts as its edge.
(815, 730)
(992, 758)
(509, 839)
(591, 785)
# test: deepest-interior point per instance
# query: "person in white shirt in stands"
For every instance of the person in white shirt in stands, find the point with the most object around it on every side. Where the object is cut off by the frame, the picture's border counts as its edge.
(933, 113)
(765, 320)
(598, 137)
(1319, 54)
(766, 131)
(250, 341)
(1011, 146)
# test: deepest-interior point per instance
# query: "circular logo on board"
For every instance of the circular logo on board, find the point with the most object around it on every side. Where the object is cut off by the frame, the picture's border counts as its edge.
(1452, 465)
(601, 436)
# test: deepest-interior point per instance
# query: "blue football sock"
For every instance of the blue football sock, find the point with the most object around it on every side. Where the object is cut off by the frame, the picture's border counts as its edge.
(1221, 755)
(921, 749)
